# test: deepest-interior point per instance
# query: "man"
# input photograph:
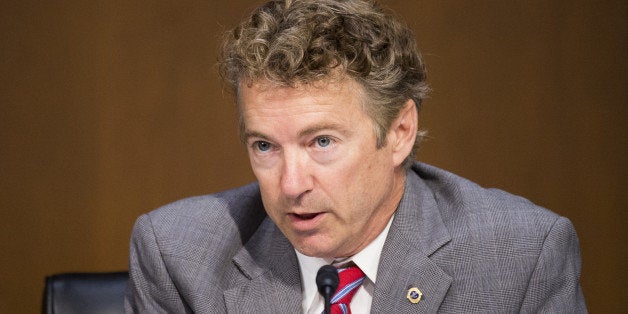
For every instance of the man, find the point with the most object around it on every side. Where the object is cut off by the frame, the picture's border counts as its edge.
(328, 93)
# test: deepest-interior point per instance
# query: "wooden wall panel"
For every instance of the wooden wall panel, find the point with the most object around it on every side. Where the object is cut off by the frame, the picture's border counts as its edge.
(110, 109)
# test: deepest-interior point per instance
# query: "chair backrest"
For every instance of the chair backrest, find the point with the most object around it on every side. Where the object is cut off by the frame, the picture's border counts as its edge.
(85, 293)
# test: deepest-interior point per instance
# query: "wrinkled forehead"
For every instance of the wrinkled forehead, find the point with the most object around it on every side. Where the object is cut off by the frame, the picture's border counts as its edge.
(342, 88)
(332, 85)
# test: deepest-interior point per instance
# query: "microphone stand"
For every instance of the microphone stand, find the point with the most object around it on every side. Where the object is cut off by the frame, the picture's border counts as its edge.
(327, 296)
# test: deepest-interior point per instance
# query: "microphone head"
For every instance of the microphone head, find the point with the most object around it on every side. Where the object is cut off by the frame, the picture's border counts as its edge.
(327, 276)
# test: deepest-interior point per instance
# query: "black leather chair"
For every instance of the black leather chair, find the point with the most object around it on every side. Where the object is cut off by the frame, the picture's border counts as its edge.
(85, 293)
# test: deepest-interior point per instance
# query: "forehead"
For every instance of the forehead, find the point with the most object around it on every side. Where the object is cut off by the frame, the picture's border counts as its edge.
(337, 93)
(267, 107)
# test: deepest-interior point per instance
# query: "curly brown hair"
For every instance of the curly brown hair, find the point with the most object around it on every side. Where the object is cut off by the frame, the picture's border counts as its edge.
(293, 42)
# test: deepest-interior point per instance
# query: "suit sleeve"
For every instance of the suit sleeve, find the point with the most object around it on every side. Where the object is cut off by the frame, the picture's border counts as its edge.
(150, 288)
(555, 284)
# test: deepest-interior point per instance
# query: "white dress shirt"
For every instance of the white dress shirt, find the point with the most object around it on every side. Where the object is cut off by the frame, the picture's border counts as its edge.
(367, 260)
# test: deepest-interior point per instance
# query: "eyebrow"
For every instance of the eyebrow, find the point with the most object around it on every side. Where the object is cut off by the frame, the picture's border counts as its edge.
(249, 134)
(324, 126)
(303, 133)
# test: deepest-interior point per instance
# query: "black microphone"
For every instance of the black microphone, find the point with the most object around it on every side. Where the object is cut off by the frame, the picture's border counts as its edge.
(327, 283)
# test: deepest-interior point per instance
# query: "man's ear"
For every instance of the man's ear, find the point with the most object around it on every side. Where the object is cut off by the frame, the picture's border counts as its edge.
(402, 133)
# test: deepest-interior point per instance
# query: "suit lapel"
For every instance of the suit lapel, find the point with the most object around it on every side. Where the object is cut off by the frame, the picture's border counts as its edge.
(269, 278)
(416, 233)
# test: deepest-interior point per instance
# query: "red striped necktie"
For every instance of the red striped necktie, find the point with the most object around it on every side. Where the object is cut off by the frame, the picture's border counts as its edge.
(351, 278)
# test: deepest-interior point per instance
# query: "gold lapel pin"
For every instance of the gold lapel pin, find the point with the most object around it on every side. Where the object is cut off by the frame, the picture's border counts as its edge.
(414, 295)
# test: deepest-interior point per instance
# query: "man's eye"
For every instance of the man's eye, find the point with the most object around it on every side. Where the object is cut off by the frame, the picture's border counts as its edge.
(323, 141)
(263, 146)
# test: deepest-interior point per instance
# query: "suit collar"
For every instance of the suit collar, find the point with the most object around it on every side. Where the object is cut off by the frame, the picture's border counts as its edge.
(416, 233)
(418, 220)
(271, 282)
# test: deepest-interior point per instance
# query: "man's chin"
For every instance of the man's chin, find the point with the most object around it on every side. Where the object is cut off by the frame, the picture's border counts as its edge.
(313, 248)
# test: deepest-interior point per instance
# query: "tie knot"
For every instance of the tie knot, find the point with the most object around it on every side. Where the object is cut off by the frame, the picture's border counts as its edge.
(350, 279)
(349, 274)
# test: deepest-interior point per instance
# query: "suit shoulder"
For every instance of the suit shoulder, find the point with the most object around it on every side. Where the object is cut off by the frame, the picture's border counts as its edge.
(460, 199)
(210, 205)
(237, 212)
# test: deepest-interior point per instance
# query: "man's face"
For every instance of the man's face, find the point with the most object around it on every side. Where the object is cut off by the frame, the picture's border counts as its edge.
(323, 180)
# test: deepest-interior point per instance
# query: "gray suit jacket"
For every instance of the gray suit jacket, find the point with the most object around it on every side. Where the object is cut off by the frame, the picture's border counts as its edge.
(468, 249)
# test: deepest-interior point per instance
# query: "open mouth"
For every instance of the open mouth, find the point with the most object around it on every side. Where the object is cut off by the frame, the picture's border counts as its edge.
(305, 216)
(306, 222)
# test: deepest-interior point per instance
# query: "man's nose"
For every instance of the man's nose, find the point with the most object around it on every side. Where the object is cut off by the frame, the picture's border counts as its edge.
(296, 176)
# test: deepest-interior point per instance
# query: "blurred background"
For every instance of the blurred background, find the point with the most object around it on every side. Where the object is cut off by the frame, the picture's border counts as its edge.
(112, 108)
